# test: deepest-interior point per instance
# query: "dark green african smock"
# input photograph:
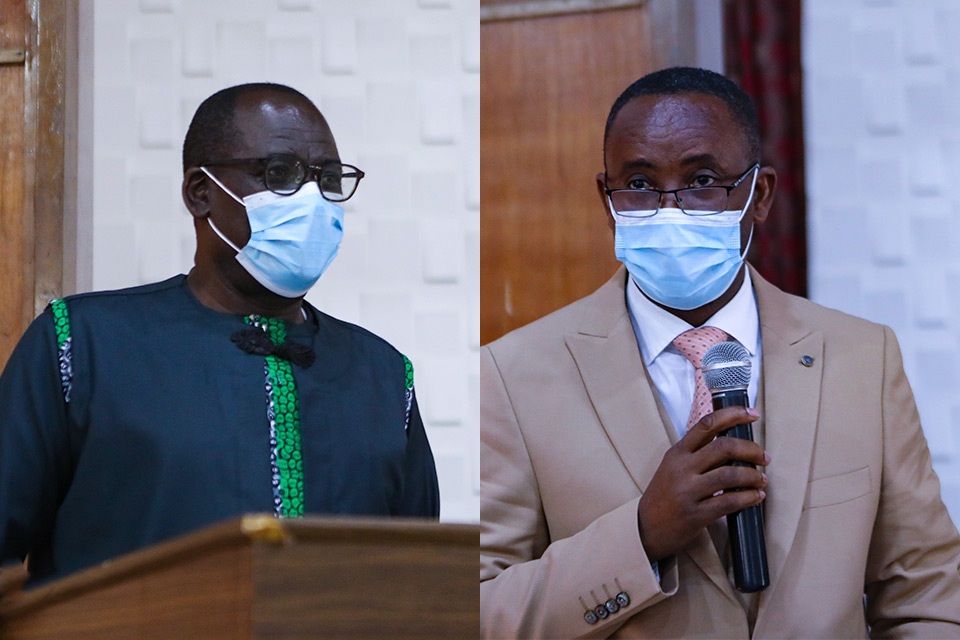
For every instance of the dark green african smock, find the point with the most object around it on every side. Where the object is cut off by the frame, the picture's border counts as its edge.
(130, 417)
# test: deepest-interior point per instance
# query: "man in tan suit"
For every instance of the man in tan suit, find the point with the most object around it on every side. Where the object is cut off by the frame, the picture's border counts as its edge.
(603, 485)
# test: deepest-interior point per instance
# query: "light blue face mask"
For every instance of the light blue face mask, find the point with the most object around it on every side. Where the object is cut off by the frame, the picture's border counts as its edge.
(292, 238)
(682, 261)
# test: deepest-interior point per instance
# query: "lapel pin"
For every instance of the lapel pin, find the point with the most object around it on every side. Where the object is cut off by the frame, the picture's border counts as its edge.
(807, 361)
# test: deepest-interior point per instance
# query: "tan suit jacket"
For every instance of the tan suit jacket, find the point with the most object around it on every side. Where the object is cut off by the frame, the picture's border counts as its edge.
(571, 434)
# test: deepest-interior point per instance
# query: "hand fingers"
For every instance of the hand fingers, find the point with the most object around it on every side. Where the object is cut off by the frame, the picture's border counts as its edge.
(730, 502)
(713, 423)
(724, 450)
(728, 477)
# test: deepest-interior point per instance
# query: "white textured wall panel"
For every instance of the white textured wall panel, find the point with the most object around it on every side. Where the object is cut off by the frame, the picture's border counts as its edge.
(882, 105)
(399, 84)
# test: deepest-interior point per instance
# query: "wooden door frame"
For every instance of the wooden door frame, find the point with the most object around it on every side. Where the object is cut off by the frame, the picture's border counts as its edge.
(50, 45)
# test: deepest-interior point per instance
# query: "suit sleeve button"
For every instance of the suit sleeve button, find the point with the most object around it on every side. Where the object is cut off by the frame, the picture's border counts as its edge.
(623, 599)
(611, 605)
(590, 617)
(601, 611)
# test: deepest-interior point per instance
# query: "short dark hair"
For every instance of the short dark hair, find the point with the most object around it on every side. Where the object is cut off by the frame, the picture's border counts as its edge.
(212, 133)
(677, 80)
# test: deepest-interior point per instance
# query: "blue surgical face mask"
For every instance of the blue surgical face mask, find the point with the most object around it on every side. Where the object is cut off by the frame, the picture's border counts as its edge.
(682, 261)
(292, 238)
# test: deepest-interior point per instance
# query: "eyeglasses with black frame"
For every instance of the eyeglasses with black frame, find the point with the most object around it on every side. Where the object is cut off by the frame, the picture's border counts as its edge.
(284, 174)
(693, 201)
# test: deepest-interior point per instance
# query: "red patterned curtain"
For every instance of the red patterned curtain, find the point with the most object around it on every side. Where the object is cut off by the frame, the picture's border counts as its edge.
(762, 51)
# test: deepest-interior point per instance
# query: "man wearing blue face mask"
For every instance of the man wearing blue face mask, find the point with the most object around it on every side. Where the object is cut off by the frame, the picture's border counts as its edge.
(132, 416)
(604, 484)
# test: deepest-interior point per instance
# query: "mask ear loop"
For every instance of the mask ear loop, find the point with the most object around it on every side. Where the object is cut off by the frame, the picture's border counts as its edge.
(613, 212)
(210, 220)
(220, 234)
(234, 196)
(743, 212)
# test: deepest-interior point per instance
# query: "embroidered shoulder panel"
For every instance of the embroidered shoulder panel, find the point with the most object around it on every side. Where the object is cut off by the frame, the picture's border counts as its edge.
(408, 366)
(61, 321)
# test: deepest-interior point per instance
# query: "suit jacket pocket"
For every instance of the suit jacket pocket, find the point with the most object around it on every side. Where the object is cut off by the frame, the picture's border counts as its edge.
(837, 489)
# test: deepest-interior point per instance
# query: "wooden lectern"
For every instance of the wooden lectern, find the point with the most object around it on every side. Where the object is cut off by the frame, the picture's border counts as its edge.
(260, 577)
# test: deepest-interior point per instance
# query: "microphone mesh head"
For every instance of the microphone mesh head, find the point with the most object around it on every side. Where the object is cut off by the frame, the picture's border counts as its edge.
(726, 365)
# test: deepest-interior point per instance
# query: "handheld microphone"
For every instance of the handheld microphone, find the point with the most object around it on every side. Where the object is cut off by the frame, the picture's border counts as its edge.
(726, 370)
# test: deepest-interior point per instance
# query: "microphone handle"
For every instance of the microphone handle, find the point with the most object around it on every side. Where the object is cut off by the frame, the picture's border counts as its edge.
(748, 547)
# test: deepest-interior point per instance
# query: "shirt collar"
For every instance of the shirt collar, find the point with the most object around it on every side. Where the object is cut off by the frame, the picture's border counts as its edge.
(656, 327)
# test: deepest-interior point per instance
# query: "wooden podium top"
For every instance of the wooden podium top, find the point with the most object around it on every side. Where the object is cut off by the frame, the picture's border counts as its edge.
(260, 577)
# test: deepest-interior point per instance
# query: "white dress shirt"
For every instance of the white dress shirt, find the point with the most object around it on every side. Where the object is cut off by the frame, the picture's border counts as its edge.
(671, 372)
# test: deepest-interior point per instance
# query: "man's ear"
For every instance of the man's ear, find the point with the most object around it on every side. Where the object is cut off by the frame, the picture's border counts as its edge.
(763, 193)
(195, 191)
(601, 185)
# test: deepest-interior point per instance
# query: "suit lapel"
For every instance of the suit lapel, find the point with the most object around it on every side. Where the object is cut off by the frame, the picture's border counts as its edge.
(608, 358)
(791, 400)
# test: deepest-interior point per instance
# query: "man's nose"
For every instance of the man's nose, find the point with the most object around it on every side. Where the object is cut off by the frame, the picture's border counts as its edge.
(669, 200)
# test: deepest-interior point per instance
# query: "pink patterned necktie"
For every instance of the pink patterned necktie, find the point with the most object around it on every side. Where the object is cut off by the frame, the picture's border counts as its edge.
(693, 344)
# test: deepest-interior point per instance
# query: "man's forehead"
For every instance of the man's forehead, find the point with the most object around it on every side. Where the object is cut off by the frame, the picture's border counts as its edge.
(683, 125)
(277, 110)
(671, 112)
(267, 117)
